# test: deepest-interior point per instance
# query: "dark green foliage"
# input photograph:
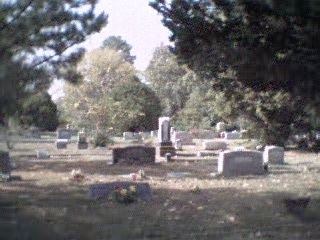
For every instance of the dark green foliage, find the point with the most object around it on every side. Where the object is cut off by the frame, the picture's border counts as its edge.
(36, 38)
(269, 51)
(121, 46)
(39, 110)
(100, 139)
(136, 106)
(274, 58)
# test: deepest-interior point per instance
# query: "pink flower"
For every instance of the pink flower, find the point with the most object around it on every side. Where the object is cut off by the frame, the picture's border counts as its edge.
(134, 176)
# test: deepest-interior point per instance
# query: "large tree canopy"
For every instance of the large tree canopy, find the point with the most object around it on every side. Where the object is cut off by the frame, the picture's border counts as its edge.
(267, 49)
(264, 62)
(39, 41)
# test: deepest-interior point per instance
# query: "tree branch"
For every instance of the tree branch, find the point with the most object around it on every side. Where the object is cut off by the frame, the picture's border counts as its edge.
(18, 15)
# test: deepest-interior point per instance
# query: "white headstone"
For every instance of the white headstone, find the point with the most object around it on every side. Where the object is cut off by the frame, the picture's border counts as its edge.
(220, 127)
(178, 144)
(273, 154)
(236, 163)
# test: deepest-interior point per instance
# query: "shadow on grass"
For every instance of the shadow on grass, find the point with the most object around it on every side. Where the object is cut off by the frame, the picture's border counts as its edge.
(211, 213)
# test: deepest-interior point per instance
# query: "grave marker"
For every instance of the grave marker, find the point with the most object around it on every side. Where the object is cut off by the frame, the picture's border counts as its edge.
(99, 190)
(236, 163)
(164, 137)
(82, 140)
(64, 133)
(5, 169)
(273, 155)
(185, 137)
(134, 155)
(214, 145)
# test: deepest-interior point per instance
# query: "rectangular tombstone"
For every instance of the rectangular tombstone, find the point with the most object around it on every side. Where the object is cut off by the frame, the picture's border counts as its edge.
(214, 145)
(99, 190)
(205, 134)
(273, 155)
(128, 135)
(237, 163)
(64, 133)
(42, 154)
(134, 155)
(5, 168)
(62, 143)
(178, 144)
(185, 137)
(232, 135)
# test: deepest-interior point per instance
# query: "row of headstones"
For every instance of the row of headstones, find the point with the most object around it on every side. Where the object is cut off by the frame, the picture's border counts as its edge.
(64, 137)
(230, 163)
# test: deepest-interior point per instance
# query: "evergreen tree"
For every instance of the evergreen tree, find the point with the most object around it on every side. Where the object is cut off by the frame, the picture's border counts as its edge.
(39, 41)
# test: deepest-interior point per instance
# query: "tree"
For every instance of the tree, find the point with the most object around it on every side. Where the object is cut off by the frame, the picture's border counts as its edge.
(171, 82)
(40, 111)
(136, 106)
(271, 54)
(121, 46)
(110, 96)
(89, 104)
(39, 41)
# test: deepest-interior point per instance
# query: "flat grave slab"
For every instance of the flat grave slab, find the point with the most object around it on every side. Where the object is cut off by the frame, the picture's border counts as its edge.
(98, 190)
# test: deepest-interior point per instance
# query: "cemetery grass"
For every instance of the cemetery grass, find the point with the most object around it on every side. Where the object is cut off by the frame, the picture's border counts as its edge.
(47, 204)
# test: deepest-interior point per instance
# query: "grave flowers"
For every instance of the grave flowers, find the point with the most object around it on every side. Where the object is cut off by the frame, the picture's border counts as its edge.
(125, 195)
(77, 175)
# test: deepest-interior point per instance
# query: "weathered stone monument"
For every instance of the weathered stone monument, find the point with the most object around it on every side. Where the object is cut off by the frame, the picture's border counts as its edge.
(164, 137)
(273, 155)
(82, 142)
(236, 163)
(134, 155)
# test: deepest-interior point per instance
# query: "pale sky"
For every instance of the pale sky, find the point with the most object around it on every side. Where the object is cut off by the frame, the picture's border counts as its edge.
(136, 22)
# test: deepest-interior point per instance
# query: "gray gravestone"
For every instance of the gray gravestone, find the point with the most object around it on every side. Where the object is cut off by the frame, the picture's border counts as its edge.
(214, 145)
(164, 137)
(134, 155)
(104, 189)
(64, 133)
(5, 169)
(185, 137)
(82, 141)
(62, 143)
(235, 163)
(128, 135)
(273, 154)
(232, 135)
